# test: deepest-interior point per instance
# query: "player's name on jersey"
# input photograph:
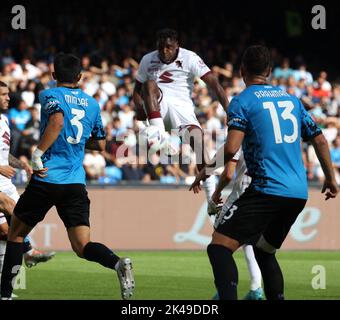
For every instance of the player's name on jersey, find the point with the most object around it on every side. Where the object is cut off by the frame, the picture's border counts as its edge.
(75, 100)
(271, 94)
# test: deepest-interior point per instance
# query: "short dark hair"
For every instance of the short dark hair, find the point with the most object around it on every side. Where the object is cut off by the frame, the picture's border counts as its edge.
(167, 33)
(67, 67)
(257, 59)
(3, 84)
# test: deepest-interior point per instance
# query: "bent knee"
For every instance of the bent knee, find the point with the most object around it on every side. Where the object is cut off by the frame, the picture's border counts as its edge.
(7, 206)
(222, 240)
(78, 249)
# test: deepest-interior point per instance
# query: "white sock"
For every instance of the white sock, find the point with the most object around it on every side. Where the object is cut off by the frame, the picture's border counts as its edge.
(209, 186)
(30, 252)
(158, 122)
(2, 253)
(253, 268)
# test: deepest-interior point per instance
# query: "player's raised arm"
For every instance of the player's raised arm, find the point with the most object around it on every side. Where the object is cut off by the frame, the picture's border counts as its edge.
(212, 82)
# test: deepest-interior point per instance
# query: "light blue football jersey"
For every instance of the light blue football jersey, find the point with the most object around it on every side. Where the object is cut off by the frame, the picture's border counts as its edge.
(64, 159)
(274, 123)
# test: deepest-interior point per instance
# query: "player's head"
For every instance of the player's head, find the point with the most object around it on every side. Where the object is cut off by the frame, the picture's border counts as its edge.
(67, 68)
(167, 45)
(4, 97)
(256, 62)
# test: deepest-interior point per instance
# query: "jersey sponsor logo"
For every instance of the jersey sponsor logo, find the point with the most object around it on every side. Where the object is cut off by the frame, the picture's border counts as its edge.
(165, 77)
(6, 138)
(153, 69)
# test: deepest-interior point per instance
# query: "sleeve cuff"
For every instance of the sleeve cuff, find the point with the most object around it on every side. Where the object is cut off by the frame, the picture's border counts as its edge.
(236, 128)
(312, 136)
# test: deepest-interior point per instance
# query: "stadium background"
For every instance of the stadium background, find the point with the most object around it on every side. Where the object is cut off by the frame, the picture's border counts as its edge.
(111, 38)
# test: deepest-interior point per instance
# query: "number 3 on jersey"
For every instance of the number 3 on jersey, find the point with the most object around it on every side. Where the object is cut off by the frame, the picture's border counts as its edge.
(78, 115)
(286, 115)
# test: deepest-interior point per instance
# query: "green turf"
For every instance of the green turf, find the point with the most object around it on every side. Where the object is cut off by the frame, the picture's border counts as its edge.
(171, 275)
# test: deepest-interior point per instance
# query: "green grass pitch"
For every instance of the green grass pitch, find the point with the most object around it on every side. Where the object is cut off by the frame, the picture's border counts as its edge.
(169, 275)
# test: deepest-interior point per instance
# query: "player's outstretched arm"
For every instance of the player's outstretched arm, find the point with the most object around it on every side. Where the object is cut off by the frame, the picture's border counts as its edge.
(211, 80)
(16, 163)
(322, 151)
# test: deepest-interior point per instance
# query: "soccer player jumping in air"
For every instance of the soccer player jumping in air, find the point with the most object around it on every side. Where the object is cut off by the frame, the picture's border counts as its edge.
(70, 122)
(163, 89)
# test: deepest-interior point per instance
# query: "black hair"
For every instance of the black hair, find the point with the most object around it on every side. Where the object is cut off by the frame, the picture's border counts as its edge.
(67, 67)
(256, 60)
(167, 33)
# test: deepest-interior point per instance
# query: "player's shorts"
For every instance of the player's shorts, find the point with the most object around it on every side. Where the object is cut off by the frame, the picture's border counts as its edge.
(71, 201)
(10, 191)
(255, 214)
(177, 113)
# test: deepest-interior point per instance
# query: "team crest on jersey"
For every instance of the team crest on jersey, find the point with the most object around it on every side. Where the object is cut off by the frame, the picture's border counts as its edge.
(179, 64)
(165, 77)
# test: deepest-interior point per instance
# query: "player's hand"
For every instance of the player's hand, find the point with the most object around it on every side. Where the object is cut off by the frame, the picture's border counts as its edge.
(37, 164)
(331, 188)
(196, 185)
(214, 208)
(42, 173)
(216, 197)
(7, 171)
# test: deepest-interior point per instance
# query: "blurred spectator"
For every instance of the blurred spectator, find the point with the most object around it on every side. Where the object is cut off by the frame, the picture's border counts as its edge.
(31, 134)
(109, 64)
(284, 71)
(302, 74)
(18, 118)
(94, 165)
(335, 155)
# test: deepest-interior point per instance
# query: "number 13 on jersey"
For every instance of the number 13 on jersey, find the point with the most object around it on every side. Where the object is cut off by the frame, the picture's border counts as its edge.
(288, 107)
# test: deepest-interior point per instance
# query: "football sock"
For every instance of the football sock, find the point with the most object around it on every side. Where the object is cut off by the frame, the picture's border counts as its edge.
(27, 248)
(271, 274)
(26, 244)
(225, 271)
(2, 253)
(155, 119)
(253, 268)
(97, 252)
(12, 264)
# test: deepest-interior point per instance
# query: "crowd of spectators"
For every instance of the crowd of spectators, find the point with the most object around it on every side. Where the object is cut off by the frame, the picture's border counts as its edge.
(112, 86)
(110, 62)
